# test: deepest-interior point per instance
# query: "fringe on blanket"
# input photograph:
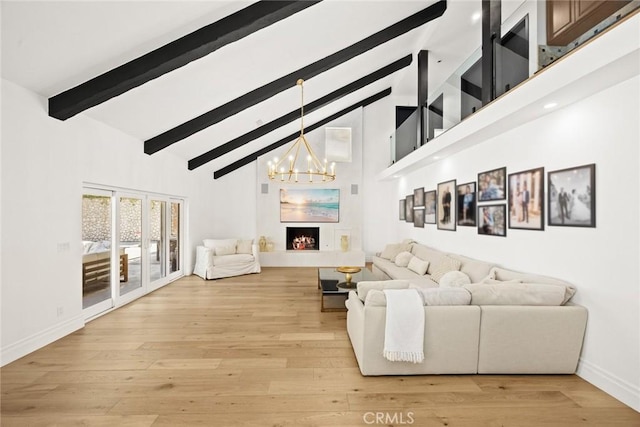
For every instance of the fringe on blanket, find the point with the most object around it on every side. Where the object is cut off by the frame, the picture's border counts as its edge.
(404, 356)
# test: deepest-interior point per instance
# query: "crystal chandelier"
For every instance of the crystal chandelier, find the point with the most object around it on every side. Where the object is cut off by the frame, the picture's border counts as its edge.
(287, 169)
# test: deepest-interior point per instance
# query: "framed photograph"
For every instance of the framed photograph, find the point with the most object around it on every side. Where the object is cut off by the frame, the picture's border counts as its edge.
(408, 209)
(446, 212)
(467, 204)
(430, 204)
(572, 196)
(492, 220)
(418, 197)
(337, 143)
(491, 185)
(401, 210)
(526, 199)
(418, 218)
(309, 205)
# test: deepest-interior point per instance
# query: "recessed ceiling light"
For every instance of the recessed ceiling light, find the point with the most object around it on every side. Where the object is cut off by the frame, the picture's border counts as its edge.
(396, 176)
(476, 16)
(550, 105)
(436, 157)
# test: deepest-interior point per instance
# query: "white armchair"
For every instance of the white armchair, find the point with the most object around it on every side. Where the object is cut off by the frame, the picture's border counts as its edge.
(226, 258)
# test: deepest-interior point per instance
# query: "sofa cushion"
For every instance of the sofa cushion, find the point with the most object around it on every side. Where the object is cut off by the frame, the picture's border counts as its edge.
(224, 250)
(392, 250)
(244, 247)
(430, 296)
(403, 258)
(490, 281)
(364, 287)
(515, 294)
(475, 269)
(232, 259)
(221, 246)
(441, 266)
(426, 253)
(503, 274)
(454, 279)
(418, 266)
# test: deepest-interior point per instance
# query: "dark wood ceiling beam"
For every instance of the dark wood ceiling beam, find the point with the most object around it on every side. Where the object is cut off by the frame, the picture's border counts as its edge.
(293, 115)
(254, 156)
(172, 56)
(260, 94)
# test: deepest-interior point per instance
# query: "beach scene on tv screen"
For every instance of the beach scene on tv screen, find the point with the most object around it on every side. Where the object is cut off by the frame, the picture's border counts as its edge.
(309, 205)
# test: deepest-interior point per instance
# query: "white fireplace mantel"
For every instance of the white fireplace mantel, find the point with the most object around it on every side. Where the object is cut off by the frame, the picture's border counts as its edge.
(312, 258)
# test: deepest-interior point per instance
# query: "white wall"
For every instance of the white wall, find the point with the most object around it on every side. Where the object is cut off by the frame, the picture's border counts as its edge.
(229, 205)
(44, 165)
(603, 261)
(379, 124)
(347, 173)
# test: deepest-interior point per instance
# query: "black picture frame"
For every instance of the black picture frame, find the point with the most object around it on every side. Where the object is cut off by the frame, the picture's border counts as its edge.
(401, 209)
(579, 206)
(446, 211)
(408, 208)
(466, 194)
(418, 197)
(526, 199)
(418, 218)
(492, 185)
(492, 220)
(430, 207)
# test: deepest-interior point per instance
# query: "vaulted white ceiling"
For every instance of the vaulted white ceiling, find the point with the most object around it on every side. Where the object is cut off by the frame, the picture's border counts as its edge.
(51, 46)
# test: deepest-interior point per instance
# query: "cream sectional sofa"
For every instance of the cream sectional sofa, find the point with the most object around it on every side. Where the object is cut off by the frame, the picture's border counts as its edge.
(512, 323)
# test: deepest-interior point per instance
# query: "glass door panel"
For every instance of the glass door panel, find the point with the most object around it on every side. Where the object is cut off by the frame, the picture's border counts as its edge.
(174, 238)
(157, 240)
(97, 235)
(130, 244)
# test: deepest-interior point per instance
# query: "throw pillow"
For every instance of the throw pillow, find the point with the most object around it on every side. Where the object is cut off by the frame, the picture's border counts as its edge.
(454, 279)
(244, 247)
(418, 266)
(392, 250)
(443, 265)
(403, 258)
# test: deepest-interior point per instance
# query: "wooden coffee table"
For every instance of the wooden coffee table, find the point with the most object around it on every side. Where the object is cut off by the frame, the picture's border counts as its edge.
(334, 296)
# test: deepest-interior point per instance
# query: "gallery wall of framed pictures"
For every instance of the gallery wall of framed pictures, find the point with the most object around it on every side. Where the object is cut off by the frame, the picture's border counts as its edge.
(499, 201)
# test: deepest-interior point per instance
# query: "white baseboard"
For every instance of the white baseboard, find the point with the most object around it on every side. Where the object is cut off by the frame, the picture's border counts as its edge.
(620, 389)
(30, 344)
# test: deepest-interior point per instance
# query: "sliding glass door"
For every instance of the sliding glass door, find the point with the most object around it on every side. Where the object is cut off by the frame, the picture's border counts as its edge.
(175, 244)
(165, 256)
(157, 242)
(130, 248)
(97, 237)
(132, 245)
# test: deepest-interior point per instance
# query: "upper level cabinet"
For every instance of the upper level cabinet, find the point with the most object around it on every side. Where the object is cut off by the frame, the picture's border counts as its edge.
(569, 19)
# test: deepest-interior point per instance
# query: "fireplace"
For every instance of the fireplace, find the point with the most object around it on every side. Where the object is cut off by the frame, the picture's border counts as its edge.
(303, 238)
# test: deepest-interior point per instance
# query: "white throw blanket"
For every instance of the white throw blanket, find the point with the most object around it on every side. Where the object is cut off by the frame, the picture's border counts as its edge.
(404, 330)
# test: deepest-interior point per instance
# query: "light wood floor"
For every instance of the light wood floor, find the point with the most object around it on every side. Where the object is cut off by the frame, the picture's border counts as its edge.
(256, 351)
